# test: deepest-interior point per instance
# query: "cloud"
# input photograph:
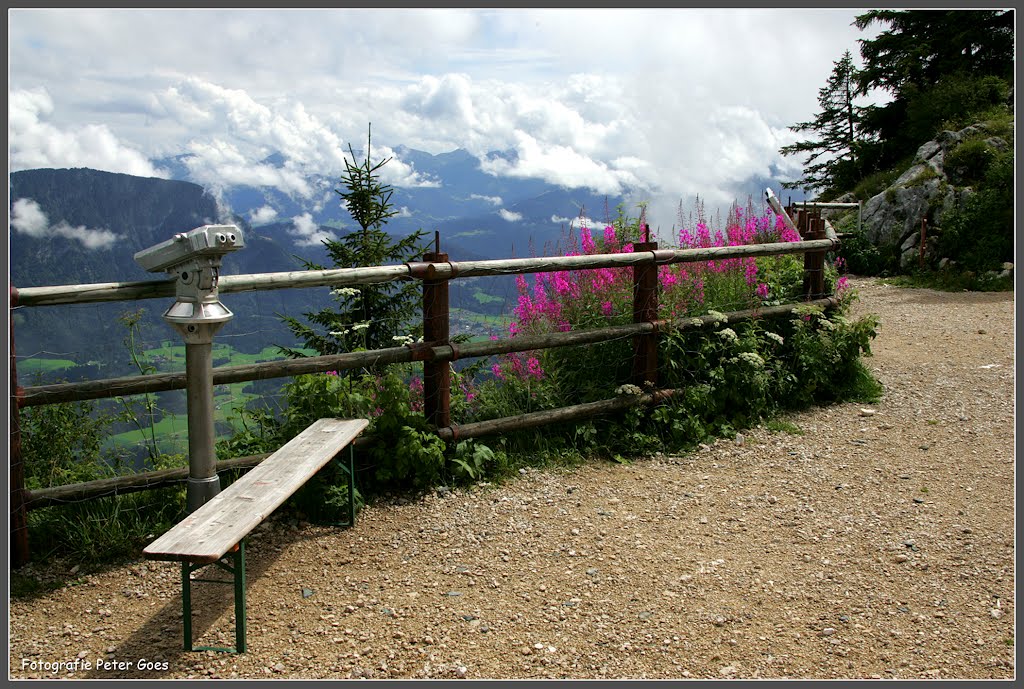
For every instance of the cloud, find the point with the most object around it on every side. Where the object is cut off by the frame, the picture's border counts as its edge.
(28, 218)
(704, 105)
(510, 216)
(35, 143)
(263, 215)
(308, 232)
(579, 222)
(493, 200)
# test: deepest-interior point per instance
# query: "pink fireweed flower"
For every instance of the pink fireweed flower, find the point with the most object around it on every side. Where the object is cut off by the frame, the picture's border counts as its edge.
(842, 284)
(562, 284)
(533, 368)
(610, 240)
(703, 235)
(762, 291)
(606, 309)
(668, 276)
(513, 328)
(751, 273)
(521, 283)
(331, 373)
(498, 373)
(587, 239)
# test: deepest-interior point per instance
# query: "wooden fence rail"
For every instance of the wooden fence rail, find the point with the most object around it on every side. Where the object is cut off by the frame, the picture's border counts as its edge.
(436, 352)
(338, 277)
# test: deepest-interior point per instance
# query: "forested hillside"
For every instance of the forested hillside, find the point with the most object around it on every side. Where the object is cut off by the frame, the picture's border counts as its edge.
(947, 78)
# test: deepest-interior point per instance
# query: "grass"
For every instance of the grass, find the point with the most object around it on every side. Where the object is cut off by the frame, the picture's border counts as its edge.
(103, 530)
(783, 426)
(951, 281)
(865, 388)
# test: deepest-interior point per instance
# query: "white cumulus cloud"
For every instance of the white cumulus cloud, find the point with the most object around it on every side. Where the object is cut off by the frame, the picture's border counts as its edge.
(37, 143)
(28, 218)
(263, 215)
(510, 216)
(308, 232)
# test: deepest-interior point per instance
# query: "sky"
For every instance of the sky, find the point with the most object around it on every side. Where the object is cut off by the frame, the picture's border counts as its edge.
(670, 102)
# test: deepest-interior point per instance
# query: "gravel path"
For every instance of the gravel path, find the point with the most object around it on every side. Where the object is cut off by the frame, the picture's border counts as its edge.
(880, 543)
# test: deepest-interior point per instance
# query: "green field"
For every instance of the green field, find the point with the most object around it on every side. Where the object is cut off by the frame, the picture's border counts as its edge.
(483, 319)
(485, 298)
(32, 366)
(172, 430)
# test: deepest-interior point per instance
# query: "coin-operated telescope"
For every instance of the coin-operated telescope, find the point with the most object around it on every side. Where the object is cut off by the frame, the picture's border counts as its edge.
(194, 258)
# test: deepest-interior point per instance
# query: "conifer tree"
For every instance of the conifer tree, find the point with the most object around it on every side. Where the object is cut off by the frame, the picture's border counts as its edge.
(365, 316)
(835, 129)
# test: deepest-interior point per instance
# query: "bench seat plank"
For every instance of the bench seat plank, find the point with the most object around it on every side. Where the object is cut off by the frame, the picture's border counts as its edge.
(216, 527)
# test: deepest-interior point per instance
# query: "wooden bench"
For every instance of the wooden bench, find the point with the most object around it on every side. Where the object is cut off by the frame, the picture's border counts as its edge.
(215, 533)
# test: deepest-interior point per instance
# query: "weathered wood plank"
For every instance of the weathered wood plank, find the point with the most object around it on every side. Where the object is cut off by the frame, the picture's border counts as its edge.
(213, 529)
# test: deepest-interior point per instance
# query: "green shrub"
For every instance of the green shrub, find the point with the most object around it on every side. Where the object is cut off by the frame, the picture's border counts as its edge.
(104, 529)
(875, 183)
(979, 234)
(968, 163)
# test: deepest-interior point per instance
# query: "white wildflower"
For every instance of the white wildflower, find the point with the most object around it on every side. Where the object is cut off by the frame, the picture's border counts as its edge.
(718, 316)
(775, 336)
(345, 292)
(727, 334)
(361, 326)
(628, 389)
(752, 358)
(696, 322)
(402, 339)
(339, 333)
(826, 324)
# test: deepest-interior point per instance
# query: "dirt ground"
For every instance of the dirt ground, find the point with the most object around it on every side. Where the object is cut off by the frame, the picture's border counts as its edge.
(879, 543)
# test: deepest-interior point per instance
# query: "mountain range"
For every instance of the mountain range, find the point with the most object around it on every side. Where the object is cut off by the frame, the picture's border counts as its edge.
(77, 226)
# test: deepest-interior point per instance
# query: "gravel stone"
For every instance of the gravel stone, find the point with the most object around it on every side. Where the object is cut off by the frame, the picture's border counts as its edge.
(772, 579)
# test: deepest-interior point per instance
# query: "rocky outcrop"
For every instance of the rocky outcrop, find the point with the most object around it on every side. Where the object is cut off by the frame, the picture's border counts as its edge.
(922, 192)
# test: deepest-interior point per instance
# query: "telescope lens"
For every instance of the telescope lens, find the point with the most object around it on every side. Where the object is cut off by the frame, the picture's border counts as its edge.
(221, 238)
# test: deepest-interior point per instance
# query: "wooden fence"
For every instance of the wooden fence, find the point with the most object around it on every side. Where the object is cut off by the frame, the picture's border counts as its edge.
(436, 351)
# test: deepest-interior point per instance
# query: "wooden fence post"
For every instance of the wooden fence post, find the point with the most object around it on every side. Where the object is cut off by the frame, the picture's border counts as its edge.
(812, 226)
(645, 309)
(436, 374)
(19, 520)
(921, 244)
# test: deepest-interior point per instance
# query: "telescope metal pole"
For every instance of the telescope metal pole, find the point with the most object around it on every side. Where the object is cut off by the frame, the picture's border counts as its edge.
(203, 481)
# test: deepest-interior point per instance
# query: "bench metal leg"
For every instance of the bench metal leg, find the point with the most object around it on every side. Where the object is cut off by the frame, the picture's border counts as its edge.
(237, 570)
(351, 486)
(349, 468)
